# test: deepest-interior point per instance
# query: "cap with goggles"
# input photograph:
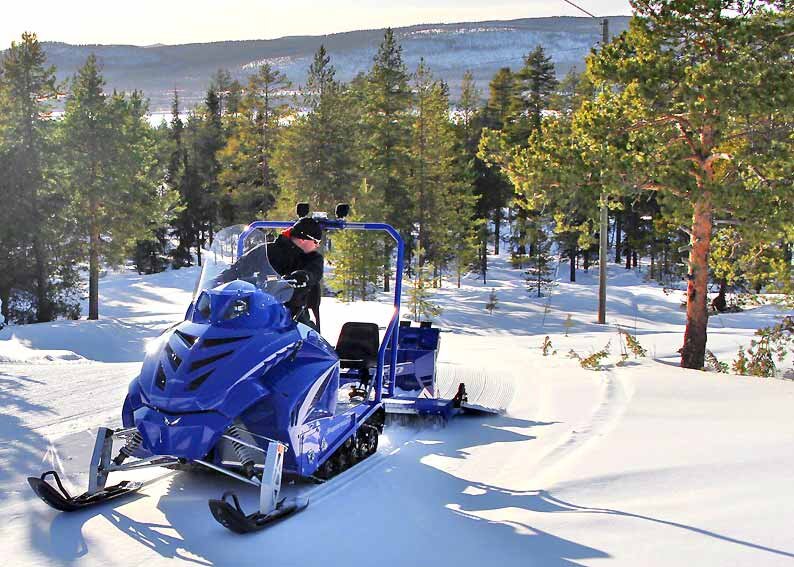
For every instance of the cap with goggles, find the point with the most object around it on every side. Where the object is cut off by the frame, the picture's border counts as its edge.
(307, 229)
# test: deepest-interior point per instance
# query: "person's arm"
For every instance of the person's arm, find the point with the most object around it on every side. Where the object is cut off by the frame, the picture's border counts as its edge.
(245, 267)
(314, 268)
(310, 274)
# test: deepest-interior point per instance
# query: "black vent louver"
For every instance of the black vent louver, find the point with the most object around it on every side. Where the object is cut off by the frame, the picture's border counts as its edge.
(173, 358)
(205, 361)
(159, 378)
(189, 340)
(198, 381)
(207, 343)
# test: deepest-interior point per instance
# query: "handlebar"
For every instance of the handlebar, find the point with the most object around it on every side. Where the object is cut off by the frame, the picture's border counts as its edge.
(294, 283)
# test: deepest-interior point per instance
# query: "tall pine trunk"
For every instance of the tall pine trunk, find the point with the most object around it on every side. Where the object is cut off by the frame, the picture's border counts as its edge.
(5, 298)
(93, 273)
(43, 305)
(572, 256)
(497, 219)
(694, 350)
(618, 235)
(484, 259)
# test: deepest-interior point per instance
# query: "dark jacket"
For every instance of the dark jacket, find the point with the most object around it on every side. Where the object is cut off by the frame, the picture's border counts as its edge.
(285, 258)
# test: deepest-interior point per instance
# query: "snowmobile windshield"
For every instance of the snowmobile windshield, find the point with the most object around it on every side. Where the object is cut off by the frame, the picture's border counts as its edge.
(221, 264)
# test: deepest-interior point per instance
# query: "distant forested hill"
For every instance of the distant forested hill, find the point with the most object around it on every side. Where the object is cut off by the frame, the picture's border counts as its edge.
(448, 49)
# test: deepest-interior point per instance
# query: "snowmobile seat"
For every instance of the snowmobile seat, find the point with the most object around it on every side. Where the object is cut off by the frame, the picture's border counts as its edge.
(357, 347)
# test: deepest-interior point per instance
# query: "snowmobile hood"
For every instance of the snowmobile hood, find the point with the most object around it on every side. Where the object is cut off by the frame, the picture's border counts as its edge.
(219, 358)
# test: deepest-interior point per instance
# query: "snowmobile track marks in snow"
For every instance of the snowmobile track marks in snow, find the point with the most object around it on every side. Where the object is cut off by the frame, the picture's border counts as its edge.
(612, 404)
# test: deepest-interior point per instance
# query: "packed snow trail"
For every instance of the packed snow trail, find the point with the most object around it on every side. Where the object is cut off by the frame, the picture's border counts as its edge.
(644, 464)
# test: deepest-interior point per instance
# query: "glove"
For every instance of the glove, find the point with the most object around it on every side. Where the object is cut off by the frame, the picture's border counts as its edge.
(301, 278)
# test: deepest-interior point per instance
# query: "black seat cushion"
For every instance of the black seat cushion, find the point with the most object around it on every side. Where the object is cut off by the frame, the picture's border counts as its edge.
(358, 344)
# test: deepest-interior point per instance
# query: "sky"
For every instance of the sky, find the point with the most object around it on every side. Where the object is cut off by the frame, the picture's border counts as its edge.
(148, 22)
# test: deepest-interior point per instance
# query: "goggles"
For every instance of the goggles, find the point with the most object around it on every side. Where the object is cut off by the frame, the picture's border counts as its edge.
(313, 239)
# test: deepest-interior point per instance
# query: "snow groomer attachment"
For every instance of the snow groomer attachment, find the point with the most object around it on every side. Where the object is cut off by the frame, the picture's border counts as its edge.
(416, 392)
(243, 388)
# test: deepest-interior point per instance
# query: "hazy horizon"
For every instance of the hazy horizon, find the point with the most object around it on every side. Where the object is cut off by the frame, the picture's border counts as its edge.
(180, 22)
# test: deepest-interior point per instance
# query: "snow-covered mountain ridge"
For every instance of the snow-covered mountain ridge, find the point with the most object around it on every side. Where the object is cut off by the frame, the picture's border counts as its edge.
(448, 49)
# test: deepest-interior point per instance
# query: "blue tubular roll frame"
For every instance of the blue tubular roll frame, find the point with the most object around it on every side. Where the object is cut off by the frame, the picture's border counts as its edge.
(391, 337)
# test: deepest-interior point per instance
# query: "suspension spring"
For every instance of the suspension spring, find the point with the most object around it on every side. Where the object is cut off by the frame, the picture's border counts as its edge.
(129, 448)
(245, 454)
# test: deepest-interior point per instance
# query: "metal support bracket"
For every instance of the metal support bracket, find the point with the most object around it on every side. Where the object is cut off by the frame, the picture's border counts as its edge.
(100, 460)
(271, 477)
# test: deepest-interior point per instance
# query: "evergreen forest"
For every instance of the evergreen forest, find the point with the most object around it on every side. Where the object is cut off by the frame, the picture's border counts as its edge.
(681, 127)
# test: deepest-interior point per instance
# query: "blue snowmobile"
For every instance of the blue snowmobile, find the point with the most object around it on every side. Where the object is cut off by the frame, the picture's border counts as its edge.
(242, 388)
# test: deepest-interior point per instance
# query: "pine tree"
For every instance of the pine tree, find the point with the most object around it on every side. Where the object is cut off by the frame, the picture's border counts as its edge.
(316, 157)
(469, 107)
(443, 200)
(534, 86)
(247, 176)
(551, 175)
(30, 201)
(419, 295)
(182, 180)
(685, 93)
(386, 138)
(539, 263)
(356, 256)
(229, 92)
(469, 239)
(493, 187)
(109, 159)
(210, 139)
(574, 88)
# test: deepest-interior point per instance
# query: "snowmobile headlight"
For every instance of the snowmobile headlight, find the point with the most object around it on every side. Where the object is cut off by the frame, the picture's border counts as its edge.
(236, 308)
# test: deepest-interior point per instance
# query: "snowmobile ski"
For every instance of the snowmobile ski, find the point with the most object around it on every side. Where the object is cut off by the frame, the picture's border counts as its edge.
(61, 500)
(231, 515)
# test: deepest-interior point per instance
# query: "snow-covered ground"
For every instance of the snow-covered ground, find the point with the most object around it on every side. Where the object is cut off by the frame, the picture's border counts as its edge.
(639, 464)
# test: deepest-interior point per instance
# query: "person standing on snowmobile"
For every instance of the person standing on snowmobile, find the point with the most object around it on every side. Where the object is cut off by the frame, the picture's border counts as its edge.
(294, 255)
